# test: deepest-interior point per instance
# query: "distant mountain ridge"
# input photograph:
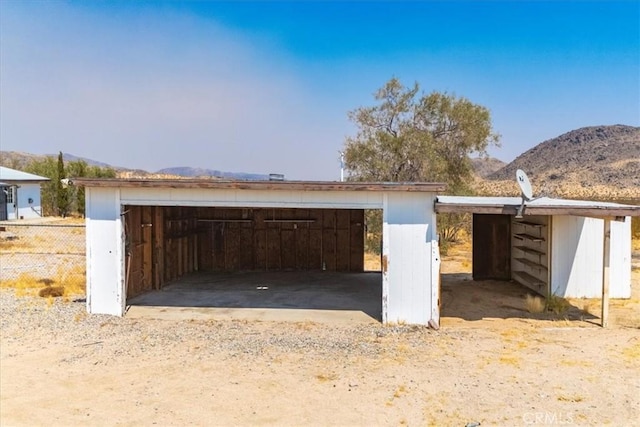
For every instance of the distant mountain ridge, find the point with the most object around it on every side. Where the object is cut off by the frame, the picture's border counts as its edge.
(20, 160)
(200, 172)
(595, 160)
(588, 157)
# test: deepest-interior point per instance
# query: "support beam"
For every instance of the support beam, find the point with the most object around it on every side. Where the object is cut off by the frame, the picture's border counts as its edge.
(604, 317)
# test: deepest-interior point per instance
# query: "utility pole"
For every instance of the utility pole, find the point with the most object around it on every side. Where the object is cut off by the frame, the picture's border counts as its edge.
(341, 165)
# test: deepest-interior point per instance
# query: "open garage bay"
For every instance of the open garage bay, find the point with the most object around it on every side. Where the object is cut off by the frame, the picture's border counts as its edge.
(291, 296)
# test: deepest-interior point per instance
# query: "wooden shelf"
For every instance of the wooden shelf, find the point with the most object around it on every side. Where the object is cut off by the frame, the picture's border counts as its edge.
(529, 280)
(525, 236)
(225, 220)
(290, 220)
(529, 250)
(530, 224)
(530, 263)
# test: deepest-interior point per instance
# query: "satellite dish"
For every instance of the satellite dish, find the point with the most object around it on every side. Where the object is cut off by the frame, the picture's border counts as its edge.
(525, 185)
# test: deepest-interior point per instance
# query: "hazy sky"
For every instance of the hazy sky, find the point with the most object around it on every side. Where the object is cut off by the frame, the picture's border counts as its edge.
(266, 87)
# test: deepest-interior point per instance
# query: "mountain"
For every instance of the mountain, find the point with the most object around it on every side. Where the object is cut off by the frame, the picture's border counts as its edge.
(485, 166)
(19, 160)
(586, 157)
(67, 157)
(200, 172)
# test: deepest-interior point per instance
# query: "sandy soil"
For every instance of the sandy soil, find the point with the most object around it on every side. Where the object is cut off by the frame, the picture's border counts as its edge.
(498, 367)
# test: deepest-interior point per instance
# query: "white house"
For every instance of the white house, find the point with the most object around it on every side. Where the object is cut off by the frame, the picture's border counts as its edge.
(20, 194)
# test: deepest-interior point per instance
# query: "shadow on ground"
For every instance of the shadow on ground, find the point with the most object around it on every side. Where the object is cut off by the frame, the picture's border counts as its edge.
(466, 299)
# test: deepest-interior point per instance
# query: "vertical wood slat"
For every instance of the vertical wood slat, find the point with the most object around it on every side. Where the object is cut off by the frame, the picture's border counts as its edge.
(329, 253)
(301, 240)
(135, 216)
(343, 246)
(356, 240)
(315, 239)
(158, 247)
(147, 249)
(330, 237)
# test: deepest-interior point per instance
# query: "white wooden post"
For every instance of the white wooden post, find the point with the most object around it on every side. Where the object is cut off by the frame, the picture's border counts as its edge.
(604, 317)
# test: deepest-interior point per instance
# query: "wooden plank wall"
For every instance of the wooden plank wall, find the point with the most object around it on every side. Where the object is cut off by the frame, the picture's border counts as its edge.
(234, 239)
(164, 243)
(161, 244)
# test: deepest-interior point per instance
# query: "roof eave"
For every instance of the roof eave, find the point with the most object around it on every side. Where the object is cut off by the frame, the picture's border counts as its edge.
(261, 185)
(587, 211)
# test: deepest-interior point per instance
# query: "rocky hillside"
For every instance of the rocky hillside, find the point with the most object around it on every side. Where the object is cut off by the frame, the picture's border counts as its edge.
(586, 160)
(17, 160)
(485, 166)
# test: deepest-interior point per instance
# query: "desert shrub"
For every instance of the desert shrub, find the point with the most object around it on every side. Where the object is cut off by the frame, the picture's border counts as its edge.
(534, 304)
(450, 228)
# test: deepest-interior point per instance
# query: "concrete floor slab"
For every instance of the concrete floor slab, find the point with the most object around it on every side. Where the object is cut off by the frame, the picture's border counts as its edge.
(279, 296)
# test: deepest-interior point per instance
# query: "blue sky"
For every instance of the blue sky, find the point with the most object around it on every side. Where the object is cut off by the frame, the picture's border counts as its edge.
(266, 87)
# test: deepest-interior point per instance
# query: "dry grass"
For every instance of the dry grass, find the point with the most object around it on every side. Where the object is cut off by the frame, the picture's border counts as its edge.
(508, 359)
(574, 398)
(10, 245)
(400, 391)
(372, 262)
(556, 304)
(66, 282)
(631, 354)
(534, 304)
(325, 377)
(576, 363)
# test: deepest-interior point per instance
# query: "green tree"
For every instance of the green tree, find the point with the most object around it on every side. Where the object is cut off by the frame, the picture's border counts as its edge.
(74, 196)
(408, 136)
(46, 167)
(62, 195)
(80, 168)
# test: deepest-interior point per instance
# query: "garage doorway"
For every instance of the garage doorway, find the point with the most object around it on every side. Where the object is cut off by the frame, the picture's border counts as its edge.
(257, 259)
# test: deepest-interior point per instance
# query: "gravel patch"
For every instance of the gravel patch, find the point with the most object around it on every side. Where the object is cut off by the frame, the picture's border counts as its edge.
(67, 322)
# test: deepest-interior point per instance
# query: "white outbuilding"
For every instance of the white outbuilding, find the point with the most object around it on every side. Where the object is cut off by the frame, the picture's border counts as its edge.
(20, 198)
(142, 234)
(566, 248)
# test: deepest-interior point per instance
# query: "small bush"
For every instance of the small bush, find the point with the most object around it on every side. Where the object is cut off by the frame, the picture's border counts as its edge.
(556, 304)
(534, 304)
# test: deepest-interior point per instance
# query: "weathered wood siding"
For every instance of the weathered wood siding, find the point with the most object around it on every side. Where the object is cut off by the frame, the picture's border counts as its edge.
(164, 243)
(253, 198)
(161, 244)
(281, 239)
(491, 247)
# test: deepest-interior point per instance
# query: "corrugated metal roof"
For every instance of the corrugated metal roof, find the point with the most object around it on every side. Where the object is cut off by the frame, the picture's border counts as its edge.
(540, 206)
(8, 175)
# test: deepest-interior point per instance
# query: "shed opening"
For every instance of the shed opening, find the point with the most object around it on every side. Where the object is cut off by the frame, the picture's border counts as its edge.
(248, 258)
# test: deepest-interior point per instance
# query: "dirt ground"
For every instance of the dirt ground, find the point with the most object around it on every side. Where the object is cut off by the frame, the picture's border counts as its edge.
(491, 363)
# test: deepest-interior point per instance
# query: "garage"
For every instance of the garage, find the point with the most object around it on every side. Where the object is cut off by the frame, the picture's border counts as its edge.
(282, 244)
